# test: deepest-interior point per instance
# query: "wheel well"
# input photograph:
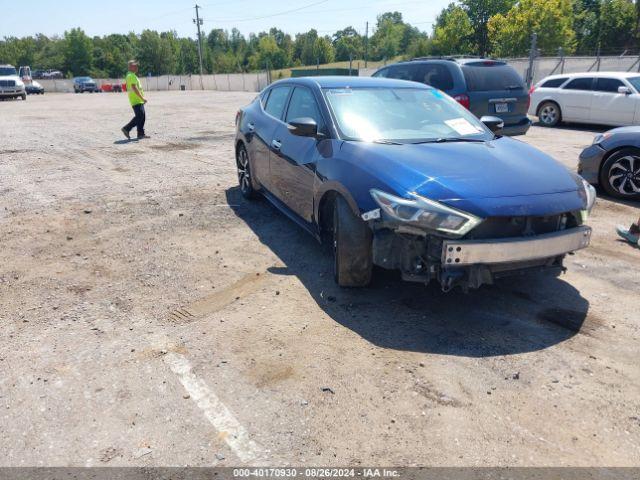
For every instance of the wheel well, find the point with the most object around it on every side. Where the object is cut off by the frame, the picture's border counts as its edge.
(325, 213)
(548, 101)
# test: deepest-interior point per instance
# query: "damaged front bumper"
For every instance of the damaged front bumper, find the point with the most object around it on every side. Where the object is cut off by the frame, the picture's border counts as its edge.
(470, 263)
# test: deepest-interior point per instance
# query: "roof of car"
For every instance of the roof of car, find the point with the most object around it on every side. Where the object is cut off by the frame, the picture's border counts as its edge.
(346, 82)
(594, 74)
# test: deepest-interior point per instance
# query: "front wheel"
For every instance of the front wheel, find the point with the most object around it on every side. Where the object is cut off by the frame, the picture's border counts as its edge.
(549, 114)
(620, 174)
(244, 173)
(352, 241)
(23, 96)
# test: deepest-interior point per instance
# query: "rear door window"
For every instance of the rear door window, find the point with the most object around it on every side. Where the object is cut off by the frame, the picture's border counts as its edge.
(384, 73)
(404, 72)
(553, 83)
(608, 85)
(579, 84)
(483, 78)
(277, 101)
(436, 75)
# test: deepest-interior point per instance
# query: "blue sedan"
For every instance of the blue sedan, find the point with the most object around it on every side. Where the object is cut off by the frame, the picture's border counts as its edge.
(398, 175)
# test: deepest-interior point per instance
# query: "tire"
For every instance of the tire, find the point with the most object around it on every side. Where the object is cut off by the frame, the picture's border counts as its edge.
(352, 242)
(243, 166)
(23, 97)
(549, 114)
(620, 174)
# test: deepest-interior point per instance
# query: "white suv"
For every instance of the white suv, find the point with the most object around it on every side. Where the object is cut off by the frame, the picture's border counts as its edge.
(605, 98)
(11, 86)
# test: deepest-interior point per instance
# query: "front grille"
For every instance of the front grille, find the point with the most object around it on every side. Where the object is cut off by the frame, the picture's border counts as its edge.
(508, 227)
(7, 83)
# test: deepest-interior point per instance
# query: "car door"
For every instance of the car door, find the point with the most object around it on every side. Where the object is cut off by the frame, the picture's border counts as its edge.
(293, 158)
(575, 99)
(609, 106)
(262, 127)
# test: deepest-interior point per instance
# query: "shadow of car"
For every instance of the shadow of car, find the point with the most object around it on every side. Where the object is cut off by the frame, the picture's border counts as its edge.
(510, 317)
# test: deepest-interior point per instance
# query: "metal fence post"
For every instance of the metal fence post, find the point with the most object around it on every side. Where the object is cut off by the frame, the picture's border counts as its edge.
(532, 55)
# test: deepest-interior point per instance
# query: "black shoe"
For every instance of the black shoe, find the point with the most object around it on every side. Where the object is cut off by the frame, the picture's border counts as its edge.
(126, 133)
(140, 137)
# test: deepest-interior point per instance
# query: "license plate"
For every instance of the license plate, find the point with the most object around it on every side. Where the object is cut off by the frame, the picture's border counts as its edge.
(502, 107)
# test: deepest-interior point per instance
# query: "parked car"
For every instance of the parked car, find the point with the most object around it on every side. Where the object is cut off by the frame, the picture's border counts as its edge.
(11, 86)
(613, 162)
(605, 98)
(52, 74)
(484, 86)
(34, 88)
(399, 175)
(84, 84)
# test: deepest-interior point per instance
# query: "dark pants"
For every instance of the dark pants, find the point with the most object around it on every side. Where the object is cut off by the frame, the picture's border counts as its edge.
(137, 121)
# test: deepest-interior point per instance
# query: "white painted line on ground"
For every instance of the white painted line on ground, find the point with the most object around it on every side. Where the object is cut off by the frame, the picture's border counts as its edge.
(216, 412)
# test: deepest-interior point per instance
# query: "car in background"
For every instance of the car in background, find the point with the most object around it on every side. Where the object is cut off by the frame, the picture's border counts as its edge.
(84, 84)
(399, 175)
(11, 86)
(603, 98)
(483, 86)
(34, 88)
(613, 162)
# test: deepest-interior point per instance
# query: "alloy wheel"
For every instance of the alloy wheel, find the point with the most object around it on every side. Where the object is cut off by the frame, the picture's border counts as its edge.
(624, 175)
(244, 175)
(548, 114)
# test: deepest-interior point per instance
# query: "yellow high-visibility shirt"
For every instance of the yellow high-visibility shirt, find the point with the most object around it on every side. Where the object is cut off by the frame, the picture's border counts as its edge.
(134, 98)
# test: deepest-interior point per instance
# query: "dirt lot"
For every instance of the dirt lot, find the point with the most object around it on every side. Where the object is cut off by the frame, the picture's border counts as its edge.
(151, 316)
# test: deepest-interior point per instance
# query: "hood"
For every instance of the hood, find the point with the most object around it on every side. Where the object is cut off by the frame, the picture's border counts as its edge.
(500, 177)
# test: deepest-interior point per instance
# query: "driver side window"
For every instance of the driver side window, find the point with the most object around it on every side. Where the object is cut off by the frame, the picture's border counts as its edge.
(303, 104)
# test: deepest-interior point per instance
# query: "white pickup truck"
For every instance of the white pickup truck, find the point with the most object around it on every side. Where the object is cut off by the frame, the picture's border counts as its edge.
(11, 86)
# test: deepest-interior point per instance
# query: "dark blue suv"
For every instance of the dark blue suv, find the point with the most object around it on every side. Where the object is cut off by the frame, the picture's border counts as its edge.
(484, 86)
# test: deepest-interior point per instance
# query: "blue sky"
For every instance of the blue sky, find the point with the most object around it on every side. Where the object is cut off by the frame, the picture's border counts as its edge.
(54, 17)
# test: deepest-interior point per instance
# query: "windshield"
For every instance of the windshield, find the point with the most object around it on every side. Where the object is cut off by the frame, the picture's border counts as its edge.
(405, 115)
(7, 71)
(635, 81)
(84, 79)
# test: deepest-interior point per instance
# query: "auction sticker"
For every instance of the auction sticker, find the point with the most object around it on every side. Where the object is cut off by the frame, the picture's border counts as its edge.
(462, 126)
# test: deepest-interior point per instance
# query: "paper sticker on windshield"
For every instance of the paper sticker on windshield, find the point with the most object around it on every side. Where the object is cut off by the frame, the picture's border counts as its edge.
(462, 126)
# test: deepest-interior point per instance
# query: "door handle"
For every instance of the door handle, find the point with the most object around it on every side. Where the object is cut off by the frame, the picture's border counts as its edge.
(251, 127)
(276, 144)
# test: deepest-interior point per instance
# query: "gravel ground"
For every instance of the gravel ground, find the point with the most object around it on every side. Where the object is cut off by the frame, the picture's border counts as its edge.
(151, 316)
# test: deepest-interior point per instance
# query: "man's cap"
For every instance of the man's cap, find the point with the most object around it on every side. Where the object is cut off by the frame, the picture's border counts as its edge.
(132, 62)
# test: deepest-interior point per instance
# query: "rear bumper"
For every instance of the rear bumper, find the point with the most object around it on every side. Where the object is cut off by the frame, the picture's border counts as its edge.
(471, 252)
(519, 128)
(589, 163)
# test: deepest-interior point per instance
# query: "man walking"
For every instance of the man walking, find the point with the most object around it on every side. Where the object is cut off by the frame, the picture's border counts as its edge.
(137, 100)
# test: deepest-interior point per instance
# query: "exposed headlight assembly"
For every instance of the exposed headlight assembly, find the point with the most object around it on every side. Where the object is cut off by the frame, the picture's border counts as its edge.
(600, 138)
(589, 198)
(422, 212)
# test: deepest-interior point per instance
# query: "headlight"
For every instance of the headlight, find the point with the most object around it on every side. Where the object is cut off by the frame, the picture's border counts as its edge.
(589, 197)
(601, 137)
(422, 212)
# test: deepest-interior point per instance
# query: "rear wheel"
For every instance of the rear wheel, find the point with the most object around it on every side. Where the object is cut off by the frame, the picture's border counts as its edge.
(549, 114)
(620, 174)
(352, 240)
(23, 96)
(244, 172)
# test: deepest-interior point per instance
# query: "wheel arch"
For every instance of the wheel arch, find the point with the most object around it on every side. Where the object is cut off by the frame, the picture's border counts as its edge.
(323, 207)
(548, 100)
(611, 153)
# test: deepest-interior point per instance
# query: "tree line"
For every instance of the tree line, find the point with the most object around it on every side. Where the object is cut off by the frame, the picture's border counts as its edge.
(499, 28)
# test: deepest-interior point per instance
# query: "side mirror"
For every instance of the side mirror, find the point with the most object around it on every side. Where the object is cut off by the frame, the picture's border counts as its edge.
(625, 90)
(495, 124)
(303, 127)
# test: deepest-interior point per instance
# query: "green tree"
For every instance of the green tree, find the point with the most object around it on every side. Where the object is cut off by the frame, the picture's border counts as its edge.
(453, 32)
(156, 53)
(552, 20)
(479, 13)
(388, 37)
(78, 52)
(617, 25)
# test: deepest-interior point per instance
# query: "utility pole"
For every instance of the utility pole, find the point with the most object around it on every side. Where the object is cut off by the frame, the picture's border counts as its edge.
(199, 21)
(366, 46)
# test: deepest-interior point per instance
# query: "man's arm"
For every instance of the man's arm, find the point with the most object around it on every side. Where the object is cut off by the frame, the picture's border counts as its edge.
(135, 89)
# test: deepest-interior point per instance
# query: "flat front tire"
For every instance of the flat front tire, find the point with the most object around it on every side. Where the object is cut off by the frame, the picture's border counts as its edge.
(620, 174)
(549, 114)
(352, 242)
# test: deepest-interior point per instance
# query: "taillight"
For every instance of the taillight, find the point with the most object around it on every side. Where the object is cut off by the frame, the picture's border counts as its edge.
(463, 100)
(532, 89)
(238, 113)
